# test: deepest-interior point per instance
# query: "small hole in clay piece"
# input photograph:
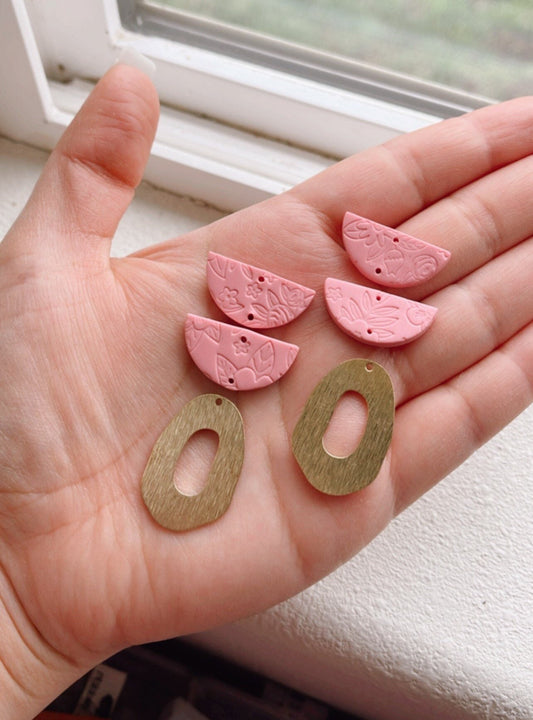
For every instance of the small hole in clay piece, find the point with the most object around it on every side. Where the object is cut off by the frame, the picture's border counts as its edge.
(378, 271)
(261, 278)
(369, 331)
(218, 401)
(395, 239)
(369, 367)
(243, 338)
(231, 381)
(250, 316)
(378, 297)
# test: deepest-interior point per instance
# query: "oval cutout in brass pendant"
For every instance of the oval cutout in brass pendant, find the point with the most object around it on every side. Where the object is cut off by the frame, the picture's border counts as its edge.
(343, 475)
(167, 505)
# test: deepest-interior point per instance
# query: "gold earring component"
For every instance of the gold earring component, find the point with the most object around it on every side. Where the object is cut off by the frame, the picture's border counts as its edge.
(167, 505)
(342, 475)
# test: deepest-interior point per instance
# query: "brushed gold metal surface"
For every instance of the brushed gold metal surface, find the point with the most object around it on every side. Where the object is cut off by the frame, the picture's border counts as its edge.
(342, 475)
(169, 507)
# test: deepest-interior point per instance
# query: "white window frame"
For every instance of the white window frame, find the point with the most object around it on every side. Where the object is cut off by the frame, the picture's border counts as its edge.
(220, 145)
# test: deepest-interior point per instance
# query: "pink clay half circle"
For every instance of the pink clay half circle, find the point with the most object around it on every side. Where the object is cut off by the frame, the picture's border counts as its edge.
(375, 317)
(389, 257)
(253, 297)
(236, 358)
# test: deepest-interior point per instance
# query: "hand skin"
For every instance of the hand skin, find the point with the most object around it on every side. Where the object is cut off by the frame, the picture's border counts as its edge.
(94, 367)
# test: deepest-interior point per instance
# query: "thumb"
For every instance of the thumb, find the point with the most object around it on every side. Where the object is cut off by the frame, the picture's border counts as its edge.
(90, 177)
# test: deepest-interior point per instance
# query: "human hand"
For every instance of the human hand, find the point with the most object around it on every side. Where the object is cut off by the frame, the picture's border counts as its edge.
(94, 367)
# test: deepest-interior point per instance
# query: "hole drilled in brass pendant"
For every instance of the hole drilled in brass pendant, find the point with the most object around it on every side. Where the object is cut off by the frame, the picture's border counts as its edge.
(342, 475)
(169, 507)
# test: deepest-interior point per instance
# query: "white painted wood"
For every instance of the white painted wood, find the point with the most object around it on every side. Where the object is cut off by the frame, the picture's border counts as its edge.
(210, 161)
(81, 39)
(24, 97)
(215, 160)
(199, 158)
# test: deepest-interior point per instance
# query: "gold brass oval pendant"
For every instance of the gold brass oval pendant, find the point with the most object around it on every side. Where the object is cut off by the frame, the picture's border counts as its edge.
(342, 475)
(169, 507)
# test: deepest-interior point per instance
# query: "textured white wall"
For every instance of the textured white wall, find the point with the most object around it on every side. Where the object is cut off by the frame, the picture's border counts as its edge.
(434, 620)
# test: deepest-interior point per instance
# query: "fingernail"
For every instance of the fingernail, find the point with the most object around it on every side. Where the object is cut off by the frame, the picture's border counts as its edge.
(133, 58)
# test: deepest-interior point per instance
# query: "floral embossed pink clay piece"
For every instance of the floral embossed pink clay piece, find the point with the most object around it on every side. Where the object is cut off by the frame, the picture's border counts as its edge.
(389, 257)
(236, 358)
(376, 317)
(254, 297)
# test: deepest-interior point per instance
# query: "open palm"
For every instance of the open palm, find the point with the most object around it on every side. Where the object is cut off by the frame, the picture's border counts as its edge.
(94, 366)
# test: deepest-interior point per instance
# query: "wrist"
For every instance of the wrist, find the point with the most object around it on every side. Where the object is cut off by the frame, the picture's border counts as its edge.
(32, 673)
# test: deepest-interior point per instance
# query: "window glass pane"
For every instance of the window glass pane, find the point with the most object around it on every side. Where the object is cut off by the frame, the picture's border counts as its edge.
(480, 46)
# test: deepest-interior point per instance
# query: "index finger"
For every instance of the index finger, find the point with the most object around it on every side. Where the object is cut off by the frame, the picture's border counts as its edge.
(393, 182)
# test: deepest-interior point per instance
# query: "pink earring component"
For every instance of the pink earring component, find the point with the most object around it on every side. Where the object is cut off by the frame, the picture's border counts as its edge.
(375, 317)
(235, 358)
(389, 257)
(252, 297)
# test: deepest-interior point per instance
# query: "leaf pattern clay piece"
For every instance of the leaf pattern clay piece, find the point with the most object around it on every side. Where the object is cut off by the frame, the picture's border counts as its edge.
(376, 317)
(252, 297)
(235, 358)
(389, 257)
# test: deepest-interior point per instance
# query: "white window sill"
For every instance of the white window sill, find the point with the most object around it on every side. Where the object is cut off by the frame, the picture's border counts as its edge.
(195, 157)
(213, 160)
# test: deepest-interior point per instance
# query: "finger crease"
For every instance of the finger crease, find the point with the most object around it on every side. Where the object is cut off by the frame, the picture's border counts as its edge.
(97, 171)
(480, 217)
(411, 170)
(474, 423)
(486, 315)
